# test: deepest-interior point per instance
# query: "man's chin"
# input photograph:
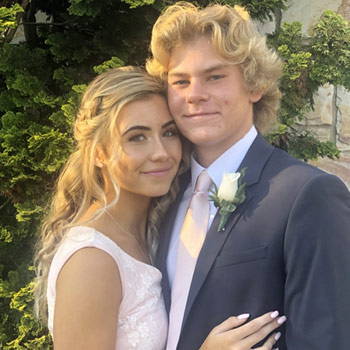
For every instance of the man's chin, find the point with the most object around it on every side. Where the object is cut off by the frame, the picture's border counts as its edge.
(200, 137)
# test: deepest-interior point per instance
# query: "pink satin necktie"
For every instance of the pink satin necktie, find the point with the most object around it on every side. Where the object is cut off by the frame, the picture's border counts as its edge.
(192, 236)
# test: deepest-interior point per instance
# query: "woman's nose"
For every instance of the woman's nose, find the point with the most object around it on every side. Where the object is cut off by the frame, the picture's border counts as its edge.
(159, 152)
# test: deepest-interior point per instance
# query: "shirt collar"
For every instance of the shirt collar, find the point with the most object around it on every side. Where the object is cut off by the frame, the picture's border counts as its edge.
(228, 162)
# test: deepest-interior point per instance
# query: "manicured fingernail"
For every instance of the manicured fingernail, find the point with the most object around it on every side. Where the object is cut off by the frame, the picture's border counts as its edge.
(282, 319)
(274, 314)
(277, 335)
(243, 316)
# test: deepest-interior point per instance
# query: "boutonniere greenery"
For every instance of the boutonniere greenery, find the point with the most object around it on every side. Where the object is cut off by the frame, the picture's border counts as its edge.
(229, 195)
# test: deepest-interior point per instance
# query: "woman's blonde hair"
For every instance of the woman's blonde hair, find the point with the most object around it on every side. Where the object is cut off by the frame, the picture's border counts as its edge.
(80, 182)
(235, 38)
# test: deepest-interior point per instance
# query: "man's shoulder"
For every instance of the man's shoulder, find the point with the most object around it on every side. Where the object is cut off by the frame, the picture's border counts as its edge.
(264, 154)
(275, 163)
(280, 158)
(284, 168)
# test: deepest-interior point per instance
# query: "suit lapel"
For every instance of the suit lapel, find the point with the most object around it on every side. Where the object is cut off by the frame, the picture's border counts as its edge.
(165, 237)
(254, 161)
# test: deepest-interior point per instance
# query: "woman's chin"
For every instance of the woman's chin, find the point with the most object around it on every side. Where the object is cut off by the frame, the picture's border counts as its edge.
(160, 191)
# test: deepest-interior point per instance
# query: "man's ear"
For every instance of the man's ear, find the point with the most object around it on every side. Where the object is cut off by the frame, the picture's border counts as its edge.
(255, 96)
(100, 157)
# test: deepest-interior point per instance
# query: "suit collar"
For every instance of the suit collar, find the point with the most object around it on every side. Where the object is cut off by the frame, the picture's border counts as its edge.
(255, 160)
(165, 230)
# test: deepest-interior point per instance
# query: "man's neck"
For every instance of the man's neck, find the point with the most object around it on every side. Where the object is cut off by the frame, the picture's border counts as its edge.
(206, 154)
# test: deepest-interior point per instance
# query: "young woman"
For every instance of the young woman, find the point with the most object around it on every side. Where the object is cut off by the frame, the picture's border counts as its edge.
(96, 281)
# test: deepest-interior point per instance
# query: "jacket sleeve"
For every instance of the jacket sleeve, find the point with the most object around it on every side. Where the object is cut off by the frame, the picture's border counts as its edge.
(317, 263)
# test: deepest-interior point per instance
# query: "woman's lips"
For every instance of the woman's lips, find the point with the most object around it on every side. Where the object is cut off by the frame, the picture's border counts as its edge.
(157, 172)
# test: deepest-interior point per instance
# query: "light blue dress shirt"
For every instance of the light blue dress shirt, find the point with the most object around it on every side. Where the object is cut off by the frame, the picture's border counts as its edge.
(228, 162)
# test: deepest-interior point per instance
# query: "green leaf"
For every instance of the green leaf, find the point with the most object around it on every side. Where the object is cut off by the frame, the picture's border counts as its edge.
(114, 62)
(8, 17)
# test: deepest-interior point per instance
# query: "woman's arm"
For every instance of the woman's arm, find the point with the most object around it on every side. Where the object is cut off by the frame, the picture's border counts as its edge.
(88, 296)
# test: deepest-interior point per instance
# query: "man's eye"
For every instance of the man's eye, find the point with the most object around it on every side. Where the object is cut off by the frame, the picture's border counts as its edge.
(171, 132)
(137, 138)
(216, 77)
(180, 82)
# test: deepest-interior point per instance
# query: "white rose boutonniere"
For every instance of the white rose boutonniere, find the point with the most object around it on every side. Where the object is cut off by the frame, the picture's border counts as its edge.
(228, 186)
(229, 195)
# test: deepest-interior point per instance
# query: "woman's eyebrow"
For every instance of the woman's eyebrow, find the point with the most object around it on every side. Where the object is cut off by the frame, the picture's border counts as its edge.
(170, 122)
(136, 127)
(147, 128)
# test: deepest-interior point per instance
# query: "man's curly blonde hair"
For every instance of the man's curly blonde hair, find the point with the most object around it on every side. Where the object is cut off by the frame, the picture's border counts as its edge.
(235, 38)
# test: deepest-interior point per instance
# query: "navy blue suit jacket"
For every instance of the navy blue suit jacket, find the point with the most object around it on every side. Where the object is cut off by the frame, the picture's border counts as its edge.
(286, 248)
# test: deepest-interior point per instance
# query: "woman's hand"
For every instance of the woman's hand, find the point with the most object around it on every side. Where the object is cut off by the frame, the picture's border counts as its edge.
(233, 334)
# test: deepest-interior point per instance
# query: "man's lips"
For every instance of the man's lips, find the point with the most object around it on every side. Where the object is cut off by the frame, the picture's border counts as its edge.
(200, 114)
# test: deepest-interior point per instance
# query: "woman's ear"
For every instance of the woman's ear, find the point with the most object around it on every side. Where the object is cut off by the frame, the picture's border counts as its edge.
(100, 157)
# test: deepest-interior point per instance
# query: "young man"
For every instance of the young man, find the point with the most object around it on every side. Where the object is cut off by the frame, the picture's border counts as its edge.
(286, 246)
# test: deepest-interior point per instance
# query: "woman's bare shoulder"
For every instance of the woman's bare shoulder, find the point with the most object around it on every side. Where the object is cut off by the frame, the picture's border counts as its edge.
(88, 296)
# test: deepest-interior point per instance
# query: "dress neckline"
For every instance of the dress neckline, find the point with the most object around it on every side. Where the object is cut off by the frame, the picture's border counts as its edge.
(105, 237)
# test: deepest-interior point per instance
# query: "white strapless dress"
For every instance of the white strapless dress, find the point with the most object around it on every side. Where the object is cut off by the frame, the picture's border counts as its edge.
(142, 322)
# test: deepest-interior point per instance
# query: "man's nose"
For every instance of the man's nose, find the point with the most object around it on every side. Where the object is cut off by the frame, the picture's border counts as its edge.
(196, 92)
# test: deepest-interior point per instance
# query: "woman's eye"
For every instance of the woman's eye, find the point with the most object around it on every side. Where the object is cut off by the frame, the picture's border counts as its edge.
(171, 132)
(137, 138)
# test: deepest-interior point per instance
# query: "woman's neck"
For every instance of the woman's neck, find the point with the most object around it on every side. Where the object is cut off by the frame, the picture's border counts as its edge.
(131, 212)
(128, 214)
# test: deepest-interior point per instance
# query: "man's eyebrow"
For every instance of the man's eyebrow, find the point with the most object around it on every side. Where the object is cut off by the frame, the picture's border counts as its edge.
(205, 71)
(216, 67)
(142, 127)
(176, 74)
